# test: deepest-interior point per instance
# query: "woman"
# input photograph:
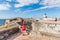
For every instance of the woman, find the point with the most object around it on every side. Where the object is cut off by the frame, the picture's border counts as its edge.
(23, 28)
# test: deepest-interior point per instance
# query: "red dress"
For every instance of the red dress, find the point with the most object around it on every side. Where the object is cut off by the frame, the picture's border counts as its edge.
(23, 26)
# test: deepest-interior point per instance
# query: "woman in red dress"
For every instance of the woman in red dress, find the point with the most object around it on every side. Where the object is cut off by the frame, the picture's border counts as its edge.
(23, 27)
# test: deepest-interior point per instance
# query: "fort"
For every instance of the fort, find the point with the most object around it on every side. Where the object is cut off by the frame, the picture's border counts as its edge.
(46, 26)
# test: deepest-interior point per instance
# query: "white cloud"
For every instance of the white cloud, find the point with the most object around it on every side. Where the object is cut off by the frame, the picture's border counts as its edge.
(48, 4)
(51, 3)
(45, 3)
(25, 2)
(4, 6)
(53, 6)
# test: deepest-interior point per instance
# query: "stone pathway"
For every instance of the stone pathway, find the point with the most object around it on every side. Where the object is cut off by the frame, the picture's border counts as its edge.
(13, 36)
(32, 37)
(36, 37)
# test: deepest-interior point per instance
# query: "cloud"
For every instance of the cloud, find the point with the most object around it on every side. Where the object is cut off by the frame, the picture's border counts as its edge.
(4, 6)
(25, 2)
(45, 3)
(21, 3)
(50, 3)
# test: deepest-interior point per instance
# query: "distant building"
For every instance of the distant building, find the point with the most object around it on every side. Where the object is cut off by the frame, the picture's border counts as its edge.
(45, 15)
(49, 19)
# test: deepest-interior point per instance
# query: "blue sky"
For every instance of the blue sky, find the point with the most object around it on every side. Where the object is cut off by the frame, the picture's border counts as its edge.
(29, 8)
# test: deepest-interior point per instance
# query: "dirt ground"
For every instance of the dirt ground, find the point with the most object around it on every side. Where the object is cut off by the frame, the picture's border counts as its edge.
(33, 37)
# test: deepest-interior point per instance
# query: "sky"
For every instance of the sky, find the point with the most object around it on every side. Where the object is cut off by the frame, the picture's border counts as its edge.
(29, 8)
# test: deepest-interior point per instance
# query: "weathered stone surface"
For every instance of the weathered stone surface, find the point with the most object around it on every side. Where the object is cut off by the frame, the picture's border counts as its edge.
(5, 34)
(52, 29)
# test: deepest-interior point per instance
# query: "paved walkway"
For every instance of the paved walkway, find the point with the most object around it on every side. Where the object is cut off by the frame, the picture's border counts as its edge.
(36, 37)
(13, 36)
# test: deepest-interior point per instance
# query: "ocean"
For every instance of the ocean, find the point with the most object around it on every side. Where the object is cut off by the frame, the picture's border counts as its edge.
(2, 21)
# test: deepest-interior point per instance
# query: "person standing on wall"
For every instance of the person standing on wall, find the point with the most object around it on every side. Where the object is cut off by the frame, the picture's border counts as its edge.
(23, 28)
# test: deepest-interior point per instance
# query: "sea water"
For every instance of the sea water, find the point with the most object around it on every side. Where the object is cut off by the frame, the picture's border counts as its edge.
(2, 21)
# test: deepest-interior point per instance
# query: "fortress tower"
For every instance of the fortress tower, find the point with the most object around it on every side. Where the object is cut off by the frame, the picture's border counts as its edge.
(45, 15)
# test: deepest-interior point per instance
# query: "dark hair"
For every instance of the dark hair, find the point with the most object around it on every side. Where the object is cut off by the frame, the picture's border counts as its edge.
(22, 20)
